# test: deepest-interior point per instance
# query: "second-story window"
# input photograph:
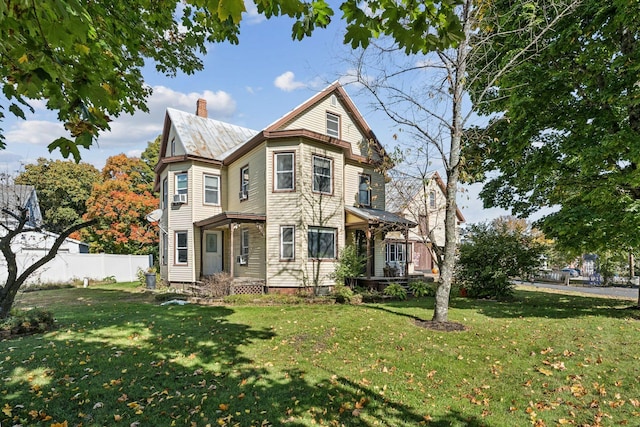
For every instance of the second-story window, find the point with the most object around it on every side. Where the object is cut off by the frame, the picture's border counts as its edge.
(364, 190)
(211, 190)
(333, 125)
(182, 186)
(165, 193)
(432, 199)
(322, 179)
(244, 183)
(284, 177)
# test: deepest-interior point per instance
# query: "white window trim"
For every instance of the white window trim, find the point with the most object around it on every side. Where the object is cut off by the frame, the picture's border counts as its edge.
(292, 172)
(432, 199)
(186, 189)
(244, 242)
(334, 118)
(165, 193)
(204, 189)
(322, 230)
(178, 248)
(292, 242)
(244, 185)
(368, 178)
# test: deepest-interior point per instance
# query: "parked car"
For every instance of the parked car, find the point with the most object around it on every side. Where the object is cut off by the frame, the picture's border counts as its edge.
(572, 271)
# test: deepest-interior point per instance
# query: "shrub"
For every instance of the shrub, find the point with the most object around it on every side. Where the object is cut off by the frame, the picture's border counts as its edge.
(493, 253)
(396, 290)
(349, 266)
(217, 285)
(342, 294)
(422, 289)
(28, 321)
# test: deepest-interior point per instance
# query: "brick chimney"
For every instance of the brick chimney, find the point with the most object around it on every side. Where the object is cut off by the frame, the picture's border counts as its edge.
(201, 108)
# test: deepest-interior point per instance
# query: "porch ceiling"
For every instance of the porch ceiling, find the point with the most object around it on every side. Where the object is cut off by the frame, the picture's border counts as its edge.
(226, 218)
(376, 217)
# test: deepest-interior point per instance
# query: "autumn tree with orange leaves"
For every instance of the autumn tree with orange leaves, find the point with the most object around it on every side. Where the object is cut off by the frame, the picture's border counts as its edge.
(119, 204)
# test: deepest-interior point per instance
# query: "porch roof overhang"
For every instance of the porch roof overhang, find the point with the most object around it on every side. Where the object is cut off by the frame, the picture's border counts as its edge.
(226, 218)
(375, 217)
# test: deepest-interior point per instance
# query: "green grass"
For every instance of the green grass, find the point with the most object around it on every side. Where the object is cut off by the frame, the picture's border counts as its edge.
(118, 358)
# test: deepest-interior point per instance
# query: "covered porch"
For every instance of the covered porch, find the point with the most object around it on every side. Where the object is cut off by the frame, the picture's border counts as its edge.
(368, 229)
(231, 242)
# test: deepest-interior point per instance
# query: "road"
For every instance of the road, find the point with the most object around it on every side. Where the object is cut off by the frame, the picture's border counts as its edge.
(626, 293)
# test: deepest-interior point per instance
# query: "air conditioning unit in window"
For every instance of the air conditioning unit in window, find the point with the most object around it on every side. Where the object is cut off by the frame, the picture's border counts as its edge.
(179, 199)
(241, 259)
(243, 195)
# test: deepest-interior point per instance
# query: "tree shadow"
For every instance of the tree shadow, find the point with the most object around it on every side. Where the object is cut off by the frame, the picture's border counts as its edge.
(135, 362)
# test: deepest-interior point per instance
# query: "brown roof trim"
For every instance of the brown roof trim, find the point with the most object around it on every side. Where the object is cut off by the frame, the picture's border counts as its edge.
(226, 218)
(164, 161)
(272, 135)
(163, 149)
(443, 187)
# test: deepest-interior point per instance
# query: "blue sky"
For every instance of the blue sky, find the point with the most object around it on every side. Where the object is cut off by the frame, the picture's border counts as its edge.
(250, 84)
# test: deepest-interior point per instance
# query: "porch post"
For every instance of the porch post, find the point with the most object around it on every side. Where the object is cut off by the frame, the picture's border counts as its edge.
(406, 252)
(231, 256)
(368, 237)
(202, 247)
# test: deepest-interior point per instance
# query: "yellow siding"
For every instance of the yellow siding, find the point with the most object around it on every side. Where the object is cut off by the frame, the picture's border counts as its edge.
(314, 119)
(352, 174)
(256, 203)
(255, 266)
(179, 219)
(196, 192)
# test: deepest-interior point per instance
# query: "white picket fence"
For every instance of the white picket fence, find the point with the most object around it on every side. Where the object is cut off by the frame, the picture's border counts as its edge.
(66, 267)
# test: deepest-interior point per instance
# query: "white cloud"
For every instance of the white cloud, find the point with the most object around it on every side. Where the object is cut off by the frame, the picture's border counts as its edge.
(287, 82)
(34, 132)
(251, 15)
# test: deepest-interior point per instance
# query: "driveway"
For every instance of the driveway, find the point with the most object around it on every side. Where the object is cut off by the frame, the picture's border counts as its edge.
(609, 291)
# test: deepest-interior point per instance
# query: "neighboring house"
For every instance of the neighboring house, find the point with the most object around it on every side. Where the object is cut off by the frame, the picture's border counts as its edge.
(424, 202)
(275, 206)
(16, 198)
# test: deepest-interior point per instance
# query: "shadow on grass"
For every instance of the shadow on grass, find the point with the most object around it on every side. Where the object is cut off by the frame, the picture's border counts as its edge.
(133, 362)
(526, 304)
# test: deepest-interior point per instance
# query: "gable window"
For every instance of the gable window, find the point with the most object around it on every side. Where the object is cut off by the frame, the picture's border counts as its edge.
(165, 193)
(333, 125)
(182, 250)
(432, 199)
(285, 176)
(244, 183)
(322, 243)
(173, 146)
(287, 242)
(322, 179)
(182, 185)
(211, 189)
(364, 190)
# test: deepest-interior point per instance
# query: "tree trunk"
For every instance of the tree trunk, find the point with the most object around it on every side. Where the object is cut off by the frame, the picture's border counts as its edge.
(457, 72)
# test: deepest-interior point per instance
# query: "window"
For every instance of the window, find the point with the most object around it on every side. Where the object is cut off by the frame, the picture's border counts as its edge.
(181, 183)
(244, 183)
(432, 199)
(287, 242)
(173, 146)
(244, 245)
(165, 248)
(165, 193)
(322, 169)
(395, 253)
(322, 243)
(181, 247)
(211, 190)
(364, 190)
(333, 125)
(212, 243)
(284, 171)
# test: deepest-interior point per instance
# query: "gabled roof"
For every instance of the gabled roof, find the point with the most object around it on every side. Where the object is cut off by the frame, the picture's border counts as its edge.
(208, 138)
(410, 188)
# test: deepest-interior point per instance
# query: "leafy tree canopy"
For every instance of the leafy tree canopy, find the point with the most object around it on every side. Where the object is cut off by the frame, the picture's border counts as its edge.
(85, 59)
(62, 188)
(567, 126)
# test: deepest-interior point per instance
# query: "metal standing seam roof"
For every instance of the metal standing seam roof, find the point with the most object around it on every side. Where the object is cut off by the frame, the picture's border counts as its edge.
(208, 138)
(377, 215)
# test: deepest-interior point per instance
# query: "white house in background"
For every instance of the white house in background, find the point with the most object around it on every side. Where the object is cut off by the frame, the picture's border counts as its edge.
(13, 199)
(424, 202)
(273, 207)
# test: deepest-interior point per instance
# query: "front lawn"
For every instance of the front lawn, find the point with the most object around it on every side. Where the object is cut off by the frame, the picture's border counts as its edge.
(120, 358)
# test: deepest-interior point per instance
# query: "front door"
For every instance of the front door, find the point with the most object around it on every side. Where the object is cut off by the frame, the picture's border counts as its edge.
(212, 252)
